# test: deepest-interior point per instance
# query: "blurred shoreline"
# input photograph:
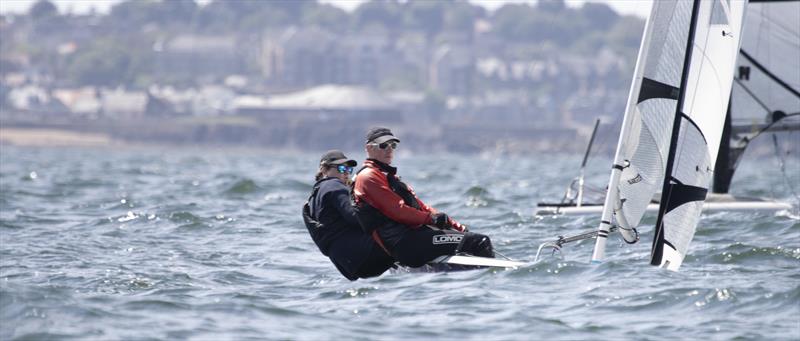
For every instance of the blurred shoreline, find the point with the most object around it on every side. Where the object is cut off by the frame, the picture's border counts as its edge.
(42, 137)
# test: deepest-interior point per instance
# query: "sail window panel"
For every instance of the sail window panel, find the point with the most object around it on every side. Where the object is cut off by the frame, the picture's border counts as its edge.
(692, 164)
(685, 202)
(680, 225)
(660, 24)
(667, 49)
(659, 117)
(718, 16)
(644, 176)
(640, 180)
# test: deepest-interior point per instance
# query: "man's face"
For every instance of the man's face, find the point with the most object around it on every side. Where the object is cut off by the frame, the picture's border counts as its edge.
(385, 154)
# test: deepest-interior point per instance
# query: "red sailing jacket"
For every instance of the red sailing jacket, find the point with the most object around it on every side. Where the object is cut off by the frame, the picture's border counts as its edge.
(372, 187)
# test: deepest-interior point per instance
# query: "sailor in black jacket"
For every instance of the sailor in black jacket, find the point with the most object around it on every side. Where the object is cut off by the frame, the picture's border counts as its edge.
(332, 223)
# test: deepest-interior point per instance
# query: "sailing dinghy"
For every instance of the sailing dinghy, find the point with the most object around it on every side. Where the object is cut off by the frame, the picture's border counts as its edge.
(673, 125)
(764, 98)
(679, 119)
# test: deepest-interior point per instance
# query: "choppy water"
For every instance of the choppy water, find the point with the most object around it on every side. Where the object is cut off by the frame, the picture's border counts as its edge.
(195, 244)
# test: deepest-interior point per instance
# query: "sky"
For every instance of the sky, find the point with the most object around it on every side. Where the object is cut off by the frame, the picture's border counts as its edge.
(639, 8)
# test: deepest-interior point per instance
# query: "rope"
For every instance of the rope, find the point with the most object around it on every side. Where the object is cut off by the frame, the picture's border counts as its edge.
(556, 245)
(501, 255)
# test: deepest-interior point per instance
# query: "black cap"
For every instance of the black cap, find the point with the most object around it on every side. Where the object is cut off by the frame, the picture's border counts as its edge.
(380, 135)
(336, 157)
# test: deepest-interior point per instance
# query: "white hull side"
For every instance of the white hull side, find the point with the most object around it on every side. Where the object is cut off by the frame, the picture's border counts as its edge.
(461, 263)
(714, 203)
(479, 261)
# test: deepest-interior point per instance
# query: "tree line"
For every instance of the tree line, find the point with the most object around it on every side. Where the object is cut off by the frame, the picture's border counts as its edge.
(120, 48)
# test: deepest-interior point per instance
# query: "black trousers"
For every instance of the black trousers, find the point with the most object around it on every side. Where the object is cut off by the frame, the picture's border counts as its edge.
(416, 247)
(356, 255)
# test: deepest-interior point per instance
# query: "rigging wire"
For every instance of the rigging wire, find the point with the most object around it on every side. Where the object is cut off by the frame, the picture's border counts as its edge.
(772, 123)
(752, 95)
(782, 163)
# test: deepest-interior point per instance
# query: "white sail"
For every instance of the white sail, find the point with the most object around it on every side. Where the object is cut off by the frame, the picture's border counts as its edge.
(645, 154)
(675, 107)
(697, 131)
(643, 146)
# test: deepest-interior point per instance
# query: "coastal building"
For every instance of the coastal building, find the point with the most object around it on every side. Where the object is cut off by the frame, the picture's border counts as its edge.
(313, 117)
(120, 103)
(33, 99)
(199, 55)
(453, 69)
(303, 57)
(81, 101)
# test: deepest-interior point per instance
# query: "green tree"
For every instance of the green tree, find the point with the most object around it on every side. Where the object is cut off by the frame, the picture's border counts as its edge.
(523, 23)
(166, 13)
(251, 16)
(626, 35)
(461, 17)
(599, 16)
(327, 16)
(511, 21)
(42, 9)
(552, 6)
(426, 15)
(216, 17)
(384, 13)
(108, 62)
(45, 18)
(182, 11)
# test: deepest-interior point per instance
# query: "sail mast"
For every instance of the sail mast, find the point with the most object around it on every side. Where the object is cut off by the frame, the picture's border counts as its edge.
(658, 239)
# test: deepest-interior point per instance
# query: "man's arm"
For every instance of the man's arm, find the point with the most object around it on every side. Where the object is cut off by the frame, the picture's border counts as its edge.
(373, 188)
(450, 221)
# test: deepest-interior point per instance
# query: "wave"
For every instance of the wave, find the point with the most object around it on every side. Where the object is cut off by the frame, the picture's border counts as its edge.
(243, 186)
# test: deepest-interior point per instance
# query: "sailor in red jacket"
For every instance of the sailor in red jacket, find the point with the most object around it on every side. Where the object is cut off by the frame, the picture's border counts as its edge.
(389, 209)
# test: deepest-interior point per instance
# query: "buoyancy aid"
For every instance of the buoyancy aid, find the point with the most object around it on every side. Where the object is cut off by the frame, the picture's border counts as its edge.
(313, 226)
(369, 217)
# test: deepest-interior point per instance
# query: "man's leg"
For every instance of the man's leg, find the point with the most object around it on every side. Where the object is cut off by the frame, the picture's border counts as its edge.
(476, 244)
(419, 247)
(376, 263)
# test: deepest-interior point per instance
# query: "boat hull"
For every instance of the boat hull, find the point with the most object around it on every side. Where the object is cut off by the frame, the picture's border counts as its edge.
(461, 263)
(713, 203)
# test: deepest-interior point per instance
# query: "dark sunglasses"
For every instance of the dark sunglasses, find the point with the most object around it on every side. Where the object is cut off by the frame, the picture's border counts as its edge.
(385, 145)
(344, 169)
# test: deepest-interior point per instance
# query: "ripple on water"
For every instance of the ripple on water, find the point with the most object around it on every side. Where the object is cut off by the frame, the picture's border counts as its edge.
(187, 221)
(182, 245)
(155, 305)
(747, 255)
(242, 186)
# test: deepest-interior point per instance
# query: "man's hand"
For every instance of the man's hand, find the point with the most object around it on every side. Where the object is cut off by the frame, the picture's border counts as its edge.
(440, 220)
(460, 227)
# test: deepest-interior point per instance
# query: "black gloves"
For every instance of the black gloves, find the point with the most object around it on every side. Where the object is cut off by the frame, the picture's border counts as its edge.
(440, 220)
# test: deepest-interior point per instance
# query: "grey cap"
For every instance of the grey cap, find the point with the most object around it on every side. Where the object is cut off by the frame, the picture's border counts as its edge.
(336, 157)
(380, 135)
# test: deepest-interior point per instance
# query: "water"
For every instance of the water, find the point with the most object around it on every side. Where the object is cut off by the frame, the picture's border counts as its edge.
(198, 244)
